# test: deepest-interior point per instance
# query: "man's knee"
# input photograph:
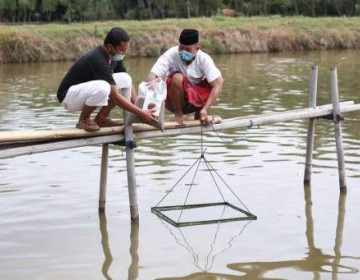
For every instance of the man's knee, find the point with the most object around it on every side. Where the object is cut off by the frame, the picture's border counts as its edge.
(98, 94)
(177, 80)
(102, 89)
(123, 80)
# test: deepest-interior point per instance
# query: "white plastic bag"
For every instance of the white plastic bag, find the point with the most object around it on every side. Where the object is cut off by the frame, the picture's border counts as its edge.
(152, 95)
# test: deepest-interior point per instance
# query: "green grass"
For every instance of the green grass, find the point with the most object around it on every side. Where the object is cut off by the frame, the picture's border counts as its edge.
(39, 42)
(219, 23)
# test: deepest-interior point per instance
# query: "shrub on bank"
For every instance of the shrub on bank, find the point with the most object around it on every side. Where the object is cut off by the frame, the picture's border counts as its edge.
(56, 42)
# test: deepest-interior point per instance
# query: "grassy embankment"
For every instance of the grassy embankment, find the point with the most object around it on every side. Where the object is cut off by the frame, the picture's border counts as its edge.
(54, 42)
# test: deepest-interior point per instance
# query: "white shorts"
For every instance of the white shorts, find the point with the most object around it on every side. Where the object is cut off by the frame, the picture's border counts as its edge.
(93, 93)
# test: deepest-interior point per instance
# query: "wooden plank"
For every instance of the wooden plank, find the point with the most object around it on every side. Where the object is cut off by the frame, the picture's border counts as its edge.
(28, 136)
(253, 121)
(144, 131)
(321, 107)
(59, 145)
(17, 136)
(70, 133)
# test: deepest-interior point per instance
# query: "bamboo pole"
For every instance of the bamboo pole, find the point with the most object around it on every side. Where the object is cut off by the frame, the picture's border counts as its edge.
(103, 176)
(283, 117)
(34, 148)
(311, 125)
(74, 133)
(143, 131)
(130, 161)
(337, 126)
(58, 134)
(252, 121)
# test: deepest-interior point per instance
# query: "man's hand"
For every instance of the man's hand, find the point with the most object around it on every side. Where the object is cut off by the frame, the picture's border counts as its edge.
(148, 115)
(205, 119)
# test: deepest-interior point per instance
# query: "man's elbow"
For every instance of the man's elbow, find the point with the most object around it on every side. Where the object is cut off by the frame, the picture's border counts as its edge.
(221, 81)
(219, 85)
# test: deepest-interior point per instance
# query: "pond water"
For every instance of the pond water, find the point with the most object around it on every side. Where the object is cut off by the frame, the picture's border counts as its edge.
(51, 229)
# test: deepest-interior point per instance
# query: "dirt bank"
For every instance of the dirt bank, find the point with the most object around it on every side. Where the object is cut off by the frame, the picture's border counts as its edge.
(57, 42)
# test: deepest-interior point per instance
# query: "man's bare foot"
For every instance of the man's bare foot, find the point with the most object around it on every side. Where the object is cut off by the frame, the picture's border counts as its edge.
(107, 122)
(179, 118)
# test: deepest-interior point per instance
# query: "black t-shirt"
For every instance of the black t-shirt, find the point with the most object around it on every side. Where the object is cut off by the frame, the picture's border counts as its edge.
(94, 65)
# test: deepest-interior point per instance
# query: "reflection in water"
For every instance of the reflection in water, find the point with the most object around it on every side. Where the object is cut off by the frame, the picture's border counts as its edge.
(133, 271)
(105, 245)
(208, 258)
(316, 261)
(134, 245)
(205, 276)
(254, 84)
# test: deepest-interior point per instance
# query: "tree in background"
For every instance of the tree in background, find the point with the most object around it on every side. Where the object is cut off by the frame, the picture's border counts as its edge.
(12, 11)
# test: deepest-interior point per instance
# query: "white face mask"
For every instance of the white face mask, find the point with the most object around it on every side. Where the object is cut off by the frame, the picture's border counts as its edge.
(117, 57)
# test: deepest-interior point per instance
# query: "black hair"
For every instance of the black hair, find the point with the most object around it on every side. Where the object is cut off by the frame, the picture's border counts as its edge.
(115, 36)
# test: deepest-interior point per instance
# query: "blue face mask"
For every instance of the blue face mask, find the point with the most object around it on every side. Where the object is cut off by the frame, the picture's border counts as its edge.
(117, 57)
(186, 56)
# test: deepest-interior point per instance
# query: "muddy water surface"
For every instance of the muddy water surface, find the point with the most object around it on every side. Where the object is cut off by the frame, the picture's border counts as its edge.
(50, 227)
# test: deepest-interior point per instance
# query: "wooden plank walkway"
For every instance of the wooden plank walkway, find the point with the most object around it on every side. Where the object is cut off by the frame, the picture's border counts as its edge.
(17, 143)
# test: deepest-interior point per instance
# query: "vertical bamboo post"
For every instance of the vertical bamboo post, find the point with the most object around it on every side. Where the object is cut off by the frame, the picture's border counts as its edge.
(130, 160)
(311, 125)
(103, 176)
(337, 125)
